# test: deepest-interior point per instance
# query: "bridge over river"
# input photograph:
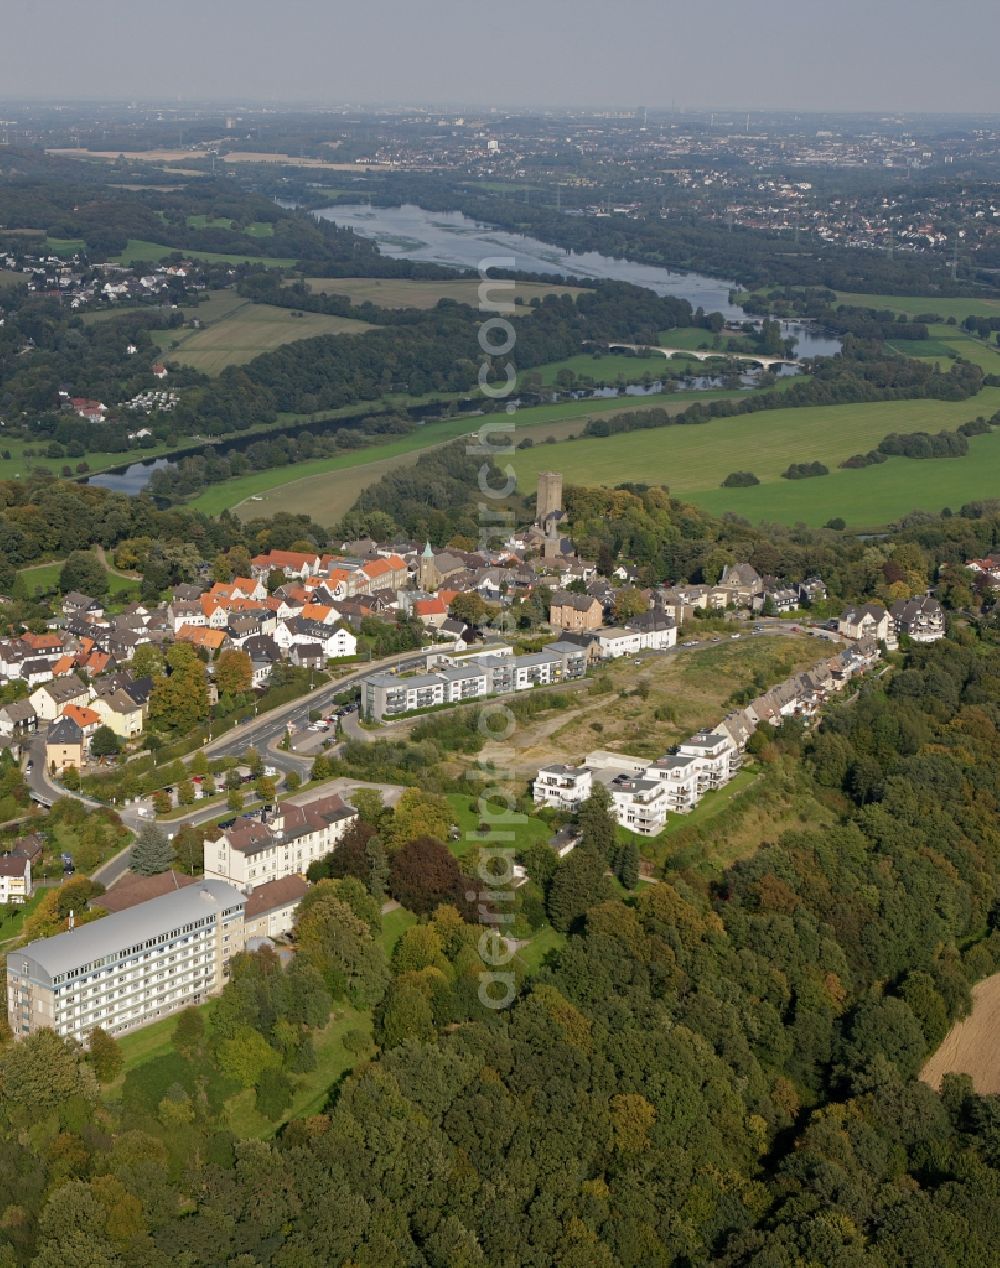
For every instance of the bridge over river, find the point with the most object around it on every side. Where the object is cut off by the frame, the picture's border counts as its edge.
(703, 354)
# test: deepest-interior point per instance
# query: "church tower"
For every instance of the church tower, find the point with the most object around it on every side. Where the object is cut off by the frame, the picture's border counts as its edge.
(427, 573)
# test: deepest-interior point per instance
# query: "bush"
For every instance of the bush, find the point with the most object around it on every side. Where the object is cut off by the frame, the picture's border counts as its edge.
(805, 471)
(739, 480)
(274, 1094)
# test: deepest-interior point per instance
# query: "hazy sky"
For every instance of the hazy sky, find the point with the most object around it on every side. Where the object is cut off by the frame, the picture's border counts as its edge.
(823, 54)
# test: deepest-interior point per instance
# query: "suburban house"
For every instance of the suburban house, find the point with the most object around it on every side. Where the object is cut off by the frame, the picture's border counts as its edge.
(18, 718)
(292, 563)
(870, 620)
(743, 581)
(51, 698)
(640, 804)
(15, 878)
(121, 713)
(64, 746)
(270, 908)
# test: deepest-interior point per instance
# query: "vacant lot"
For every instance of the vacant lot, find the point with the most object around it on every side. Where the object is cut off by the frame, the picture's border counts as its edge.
(403, 293)
(972, 1046)
(249, 330)
(694, 460)
(687, 690)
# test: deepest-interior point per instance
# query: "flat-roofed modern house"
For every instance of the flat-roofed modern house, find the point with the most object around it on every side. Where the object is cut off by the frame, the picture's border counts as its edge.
(563, 787)
(131, 967)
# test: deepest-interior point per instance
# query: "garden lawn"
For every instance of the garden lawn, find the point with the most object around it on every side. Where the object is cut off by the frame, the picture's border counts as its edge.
(394, 924)
(532, 955)
(525, 832)
(312, 1090)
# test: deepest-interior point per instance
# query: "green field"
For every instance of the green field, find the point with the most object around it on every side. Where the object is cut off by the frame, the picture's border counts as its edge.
(326, 487)
(44, 579)
(9, 277)
(924, 348)
(246, 331)
(696, 339)
(406, 293)
(140, 249)
(64, 246)
(911, 305)
(693, 461)
(871, 497)
(259, 228)
(611, 368)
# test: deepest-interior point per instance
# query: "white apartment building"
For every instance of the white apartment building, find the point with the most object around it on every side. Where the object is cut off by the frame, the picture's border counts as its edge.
(640, 805)
(251, 853)
(563, 787)
(129, 968)
(718, 758)
(679, 777)
(613, 643)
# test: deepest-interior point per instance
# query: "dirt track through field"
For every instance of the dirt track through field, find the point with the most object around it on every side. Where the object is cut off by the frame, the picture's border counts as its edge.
(972, 1046)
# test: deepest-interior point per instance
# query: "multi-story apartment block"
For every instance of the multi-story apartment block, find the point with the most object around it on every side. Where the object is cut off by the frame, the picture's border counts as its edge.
(251, 853)
(679, 777)
(921, 619)
(129, 968)
(718, 758)
(563, 787)
(639, 804)
(470, 678)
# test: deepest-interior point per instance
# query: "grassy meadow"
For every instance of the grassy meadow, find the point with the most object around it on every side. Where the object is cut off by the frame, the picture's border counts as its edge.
(694, 460)
(246, 331)
(913, 305)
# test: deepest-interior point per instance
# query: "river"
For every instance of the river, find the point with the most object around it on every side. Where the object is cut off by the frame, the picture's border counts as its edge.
(453, 239)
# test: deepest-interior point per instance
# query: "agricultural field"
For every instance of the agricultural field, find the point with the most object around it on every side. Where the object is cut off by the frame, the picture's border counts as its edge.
(138, 249)
(248, 330)
(694, 460)
(10, 277)
(258, 229)
(972, 1046)
(696, 339)
(912, 305)
(406, 293)
(323, 486)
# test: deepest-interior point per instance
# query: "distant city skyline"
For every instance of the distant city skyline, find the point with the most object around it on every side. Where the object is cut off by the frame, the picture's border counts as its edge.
(893, 56)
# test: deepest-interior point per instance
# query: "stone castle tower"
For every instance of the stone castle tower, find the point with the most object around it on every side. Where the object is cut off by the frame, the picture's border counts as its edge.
(548, 499)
